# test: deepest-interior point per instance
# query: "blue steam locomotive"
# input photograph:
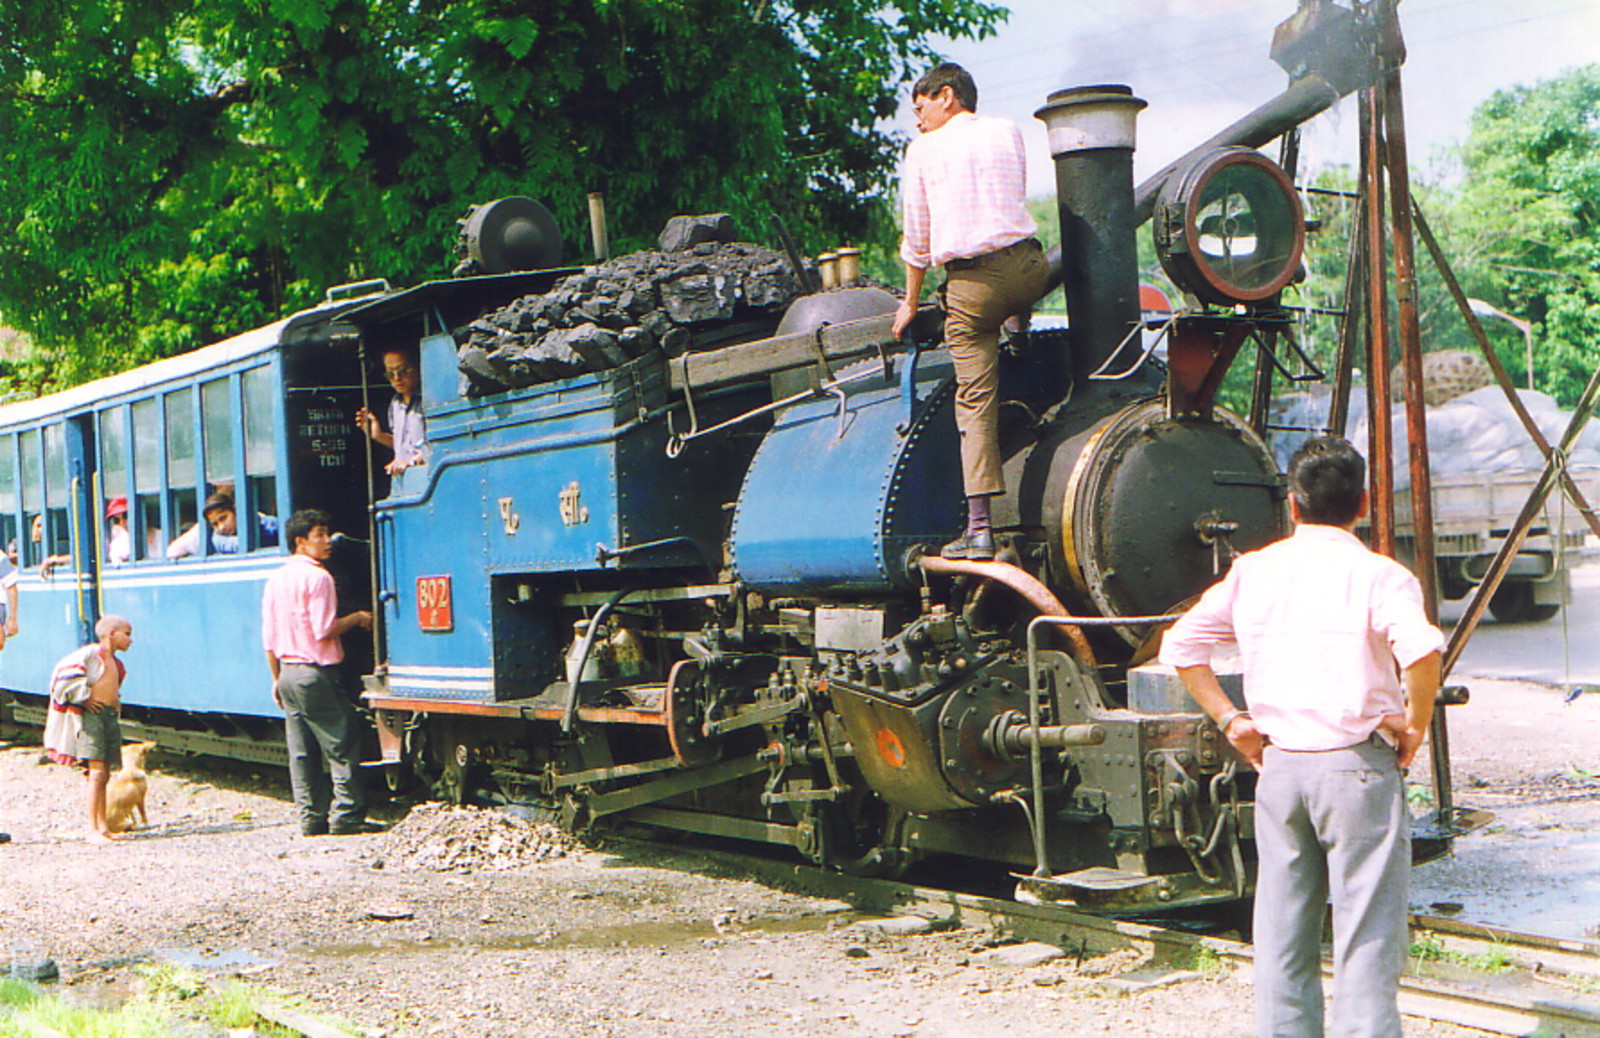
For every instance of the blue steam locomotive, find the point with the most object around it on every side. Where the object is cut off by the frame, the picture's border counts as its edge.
(694, 584)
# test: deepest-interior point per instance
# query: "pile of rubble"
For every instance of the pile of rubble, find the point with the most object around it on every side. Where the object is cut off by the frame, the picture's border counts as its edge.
(699, 280)
(445, 838)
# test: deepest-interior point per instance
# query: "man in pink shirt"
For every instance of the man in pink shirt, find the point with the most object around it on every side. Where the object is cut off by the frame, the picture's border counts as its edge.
(963, 185)
(300, 629)
(1341, 666)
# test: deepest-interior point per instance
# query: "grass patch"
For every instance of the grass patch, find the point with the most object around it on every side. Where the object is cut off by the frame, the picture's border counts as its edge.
(1419, 794)
(16, 993)
(171, 1000)
(1208, 962)
(47, 1014)
(1427, 947)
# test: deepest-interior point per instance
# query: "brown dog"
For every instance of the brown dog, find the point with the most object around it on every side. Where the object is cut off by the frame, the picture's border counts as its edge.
(125, 794)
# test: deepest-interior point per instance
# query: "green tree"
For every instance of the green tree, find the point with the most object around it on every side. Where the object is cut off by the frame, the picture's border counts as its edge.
(1527, 222)
(172, 171)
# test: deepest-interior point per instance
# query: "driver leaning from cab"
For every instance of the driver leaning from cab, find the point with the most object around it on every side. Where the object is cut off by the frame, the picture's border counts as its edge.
(223, 523)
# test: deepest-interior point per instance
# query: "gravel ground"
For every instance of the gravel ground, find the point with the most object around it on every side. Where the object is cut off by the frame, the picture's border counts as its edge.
(467, 925)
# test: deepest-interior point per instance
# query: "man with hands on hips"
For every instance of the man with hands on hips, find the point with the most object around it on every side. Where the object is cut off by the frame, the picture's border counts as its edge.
(1341, 669)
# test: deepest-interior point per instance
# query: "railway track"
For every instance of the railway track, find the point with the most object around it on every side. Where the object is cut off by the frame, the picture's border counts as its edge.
(1473, 975)
(1493, 979)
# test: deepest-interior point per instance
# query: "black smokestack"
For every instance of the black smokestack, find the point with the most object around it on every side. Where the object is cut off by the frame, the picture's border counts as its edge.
(1091, 131)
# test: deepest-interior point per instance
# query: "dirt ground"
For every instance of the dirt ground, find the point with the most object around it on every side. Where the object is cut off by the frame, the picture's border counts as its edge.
(648, 941)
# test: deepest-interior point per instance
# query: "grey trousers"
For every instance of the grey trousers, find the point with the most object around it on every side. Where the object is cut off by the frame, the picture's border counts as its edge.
(1331, 825)
(320, 729)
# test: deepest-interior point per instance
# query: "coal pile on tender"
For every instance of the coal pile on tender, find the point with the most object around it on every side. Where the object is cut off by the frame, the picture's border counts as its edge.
(700, 289)
(447, 838)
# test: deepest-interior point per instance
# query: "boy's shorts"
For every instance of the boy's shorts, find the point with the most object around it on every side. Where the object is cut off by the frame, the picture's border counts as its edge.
(101, 738)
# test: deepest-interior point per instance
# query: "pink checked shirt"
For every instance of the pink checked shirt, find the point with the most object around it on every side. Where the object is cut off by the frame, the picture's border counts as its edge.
(962, 190)
(298, 610)
(1321, 623)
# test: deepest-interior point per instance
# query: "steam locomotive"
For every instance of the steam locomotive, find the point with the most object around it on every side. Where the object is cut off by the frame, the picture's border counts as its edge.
(702, 591)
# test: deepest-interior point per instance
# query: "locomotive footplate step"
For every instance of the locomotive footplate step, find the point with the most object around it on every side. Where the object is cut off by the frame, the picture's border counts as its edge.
(1098, 879)
(1104, 889)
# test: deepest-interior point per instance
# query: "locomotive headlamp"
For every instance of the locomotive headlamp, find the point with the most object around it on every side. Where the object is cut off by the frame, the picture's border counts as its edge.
(1230, 228)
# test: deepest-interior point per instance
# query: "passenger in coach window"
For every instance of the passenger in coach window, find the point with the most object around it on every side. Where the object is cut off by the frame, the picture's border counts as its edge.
(407, 434)
(9, 577)
(301, 632)
(963, 186)
(47, 562)
(1341, 668)
(222, 522)
(119, 546)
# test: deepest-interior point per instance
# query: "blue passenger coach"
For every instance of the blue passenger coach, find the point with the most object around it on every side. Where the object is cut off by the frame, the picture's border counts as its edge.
(97, 482)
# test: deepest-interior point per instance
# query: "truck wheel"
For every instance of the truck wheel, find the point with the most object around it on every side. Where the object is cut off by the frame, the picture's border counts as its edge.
(1513, 603)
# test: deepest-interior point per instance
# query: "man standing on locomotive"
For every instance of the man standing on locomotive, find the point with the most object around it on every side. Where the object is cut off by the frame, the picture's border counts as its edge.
(301, 634)
(962, 186)
(1341, 667)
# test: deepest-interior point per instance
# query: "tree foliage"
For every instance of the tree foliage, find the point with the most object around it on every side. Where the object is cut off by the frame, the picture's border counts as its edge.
(1521, 230)
(1526, 222)
(173, 171)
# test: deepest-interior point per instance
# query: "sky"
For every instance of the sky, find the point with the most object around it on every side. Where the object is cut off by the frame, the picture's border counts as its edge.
(1201, 64)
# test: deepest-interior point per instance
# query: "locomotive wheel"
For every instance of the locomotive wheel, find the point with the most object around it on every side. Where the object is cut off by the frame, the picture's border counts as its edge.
(685, 710)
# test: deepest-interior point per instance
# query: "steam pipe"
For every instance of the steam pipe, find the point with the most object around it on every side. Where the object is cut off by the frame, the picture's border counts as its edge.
(1024, 584)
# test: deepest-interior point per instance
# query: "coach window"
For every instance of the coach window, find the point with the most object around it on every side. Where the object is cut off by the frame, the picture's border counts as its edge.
(32, 499)
(147, 536)
(8, 495)
(114, 513)
(216, 430)
(184, 506)
(57, 493)
(261, 486)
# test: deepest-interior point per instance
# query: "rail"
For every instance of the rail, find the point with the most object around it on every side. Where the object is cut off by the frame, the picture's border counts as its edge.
(1508, 1002)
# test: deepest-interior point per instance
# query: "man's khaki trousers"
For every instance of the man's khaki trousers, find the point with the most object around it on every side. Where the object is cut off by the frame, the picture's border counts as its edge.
(979, 295)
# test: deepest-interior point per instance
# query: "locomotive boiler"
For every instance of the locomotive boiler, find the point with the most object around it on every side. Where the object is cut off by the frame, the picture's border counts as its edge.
(699, 589)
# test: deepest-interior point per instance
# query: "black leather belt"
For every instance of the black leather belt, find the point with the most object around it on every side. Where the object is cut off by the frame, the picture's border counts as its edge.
(967, 262)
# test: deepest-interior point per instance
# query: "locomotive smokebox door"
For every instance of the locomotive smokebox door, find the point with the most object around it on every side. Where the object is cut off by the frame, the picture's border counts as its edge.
(1152, 509)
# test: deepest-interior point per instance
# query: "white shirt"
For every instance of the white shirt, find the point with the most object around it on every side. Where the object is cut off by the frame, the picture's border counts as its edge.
(962, 191)
(407, 427)
(1321, 623)
(119, 546)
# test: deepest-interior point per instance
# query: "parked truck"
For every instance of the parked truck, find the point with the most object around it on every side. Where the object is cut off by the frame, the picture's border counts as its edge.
(1472, 515)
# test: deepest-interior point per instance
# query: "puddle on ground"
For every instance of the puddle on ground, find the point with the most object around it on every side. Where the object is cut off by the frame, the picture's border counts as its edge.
(1536, 868)
(653, 933)
(212, 960)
